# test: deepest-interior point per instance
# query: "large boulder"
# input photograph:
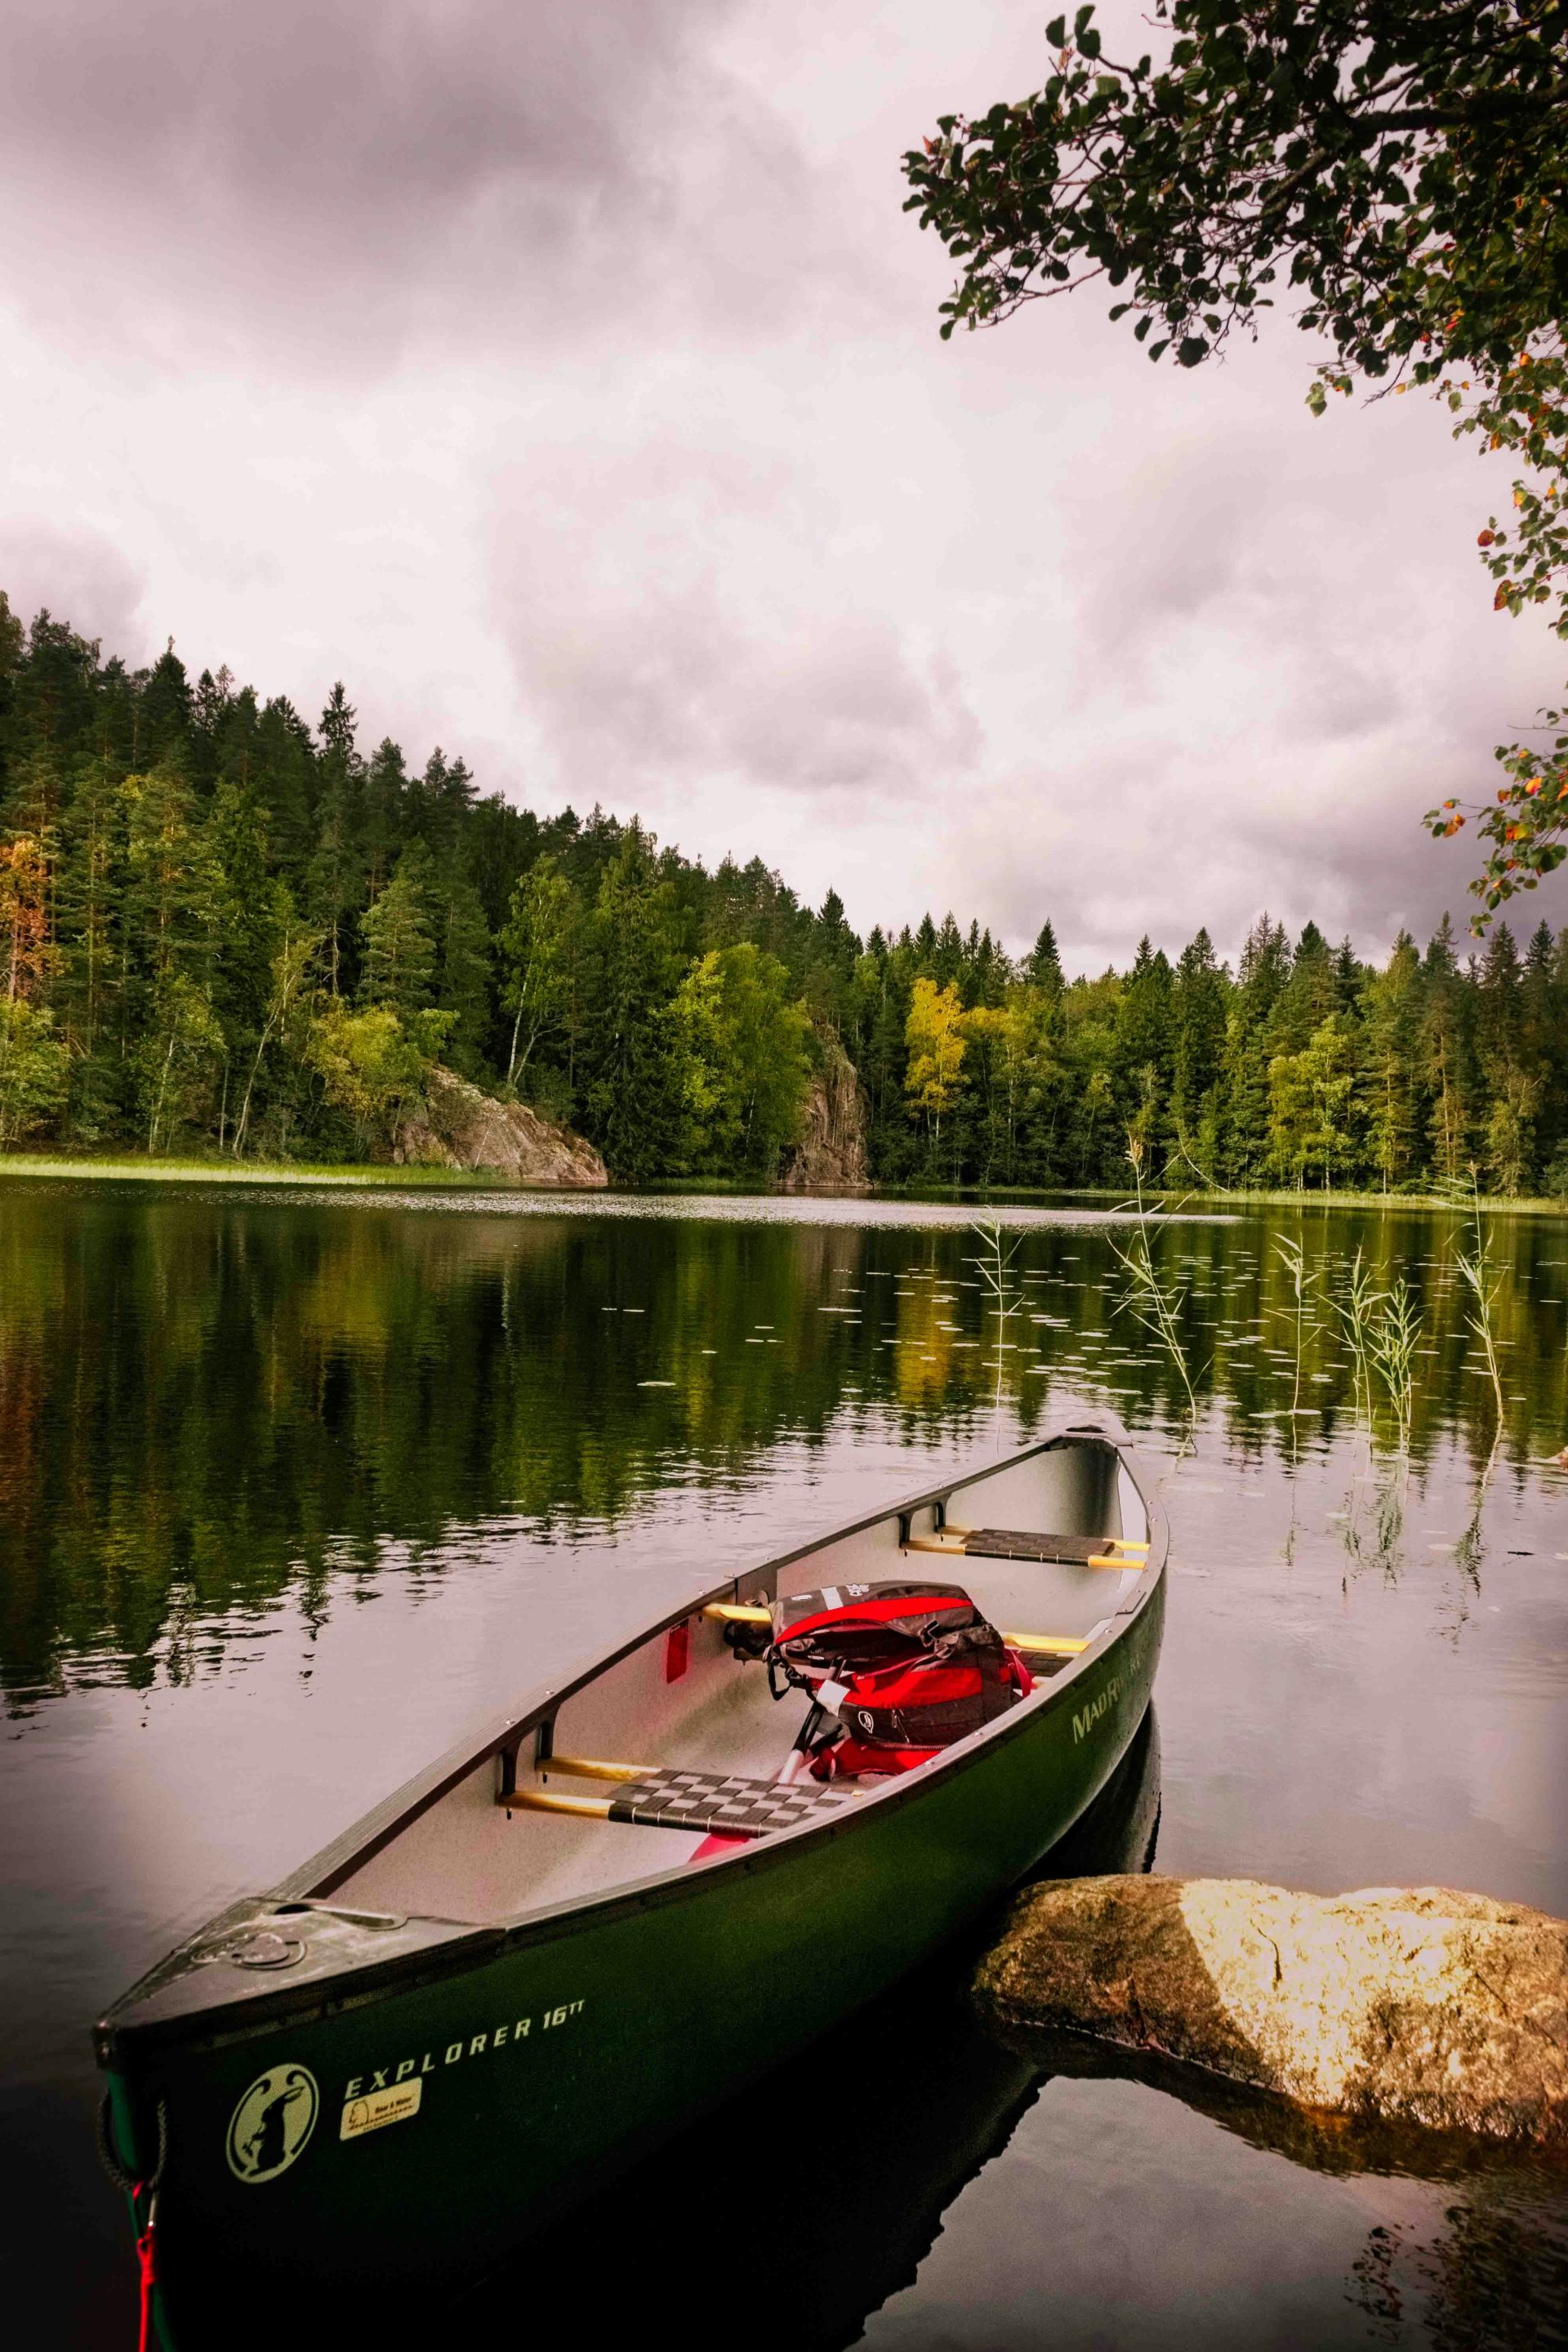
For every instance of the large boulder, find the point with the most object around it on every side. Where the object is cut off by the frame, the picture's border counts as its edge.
(1414, 2004)
(461, 1127)
(830, 1155)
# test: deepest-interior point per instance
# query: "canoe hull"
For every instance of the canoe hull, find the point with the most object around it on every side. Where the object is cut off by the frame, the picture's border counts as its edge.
(517, 2080)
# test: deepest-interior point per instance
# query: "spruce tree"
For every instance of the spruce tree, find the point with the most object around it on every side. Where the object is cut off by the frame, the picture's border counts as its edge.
(629, 1058)
(1200, 1007)
(1043, 965)
(399, 940)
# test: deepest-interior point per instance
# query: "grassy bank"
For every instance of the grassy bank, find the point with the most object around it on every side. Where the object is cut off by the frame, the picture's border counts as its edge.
(1287, 1197)
(349, 1178)
(1497, 1203)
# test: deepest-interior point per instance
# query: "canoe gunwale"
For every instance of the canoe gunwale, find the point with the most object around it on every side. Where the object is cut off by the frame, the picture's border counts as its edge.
(474, 1942)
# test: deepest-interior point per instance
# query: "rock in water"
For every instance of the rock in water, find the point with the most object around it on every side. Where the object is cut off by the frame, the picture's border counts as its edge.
(461, 1127)
(1413, 2003)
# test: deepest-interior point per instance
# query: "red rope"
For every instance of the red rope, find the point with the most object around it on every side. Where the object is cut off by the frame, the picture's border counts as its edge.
(147, 2257)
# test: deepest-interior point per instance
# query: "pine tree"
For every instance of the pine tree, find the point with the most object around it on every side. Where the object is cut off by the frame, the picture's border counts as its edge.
(1145, 1048)
(463, 974)
(830, 967)
(630, 1070)
(1043, 965)
(399, 941)
(1390, 1005)
(1260, 982)
(1199, 1009)
(1445, 1051)
(1310, 994)
(165, 711)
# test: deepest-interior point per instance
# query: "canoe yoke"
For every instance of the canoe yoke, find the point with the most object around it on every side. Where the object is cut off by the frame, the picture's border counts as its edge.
(724, 1804)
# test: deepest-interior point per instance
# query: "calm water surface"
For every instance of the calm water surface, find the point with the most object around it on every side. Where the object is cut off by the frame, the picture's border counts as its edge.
(290, 1488)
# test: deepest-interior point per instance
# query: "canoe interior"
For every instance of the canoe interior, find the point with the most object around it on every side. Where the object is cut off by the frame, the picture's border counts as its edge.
(465, 1858)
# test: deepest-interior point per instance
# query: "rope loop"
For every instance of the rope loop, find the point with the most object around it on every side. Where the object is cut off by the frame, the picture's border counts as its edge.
(131, 2183)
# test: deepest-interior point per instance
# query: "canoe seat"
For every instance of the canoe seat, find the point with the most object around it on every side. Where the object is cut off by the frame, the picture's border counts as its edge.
(668, 1798)
(1024, 1543)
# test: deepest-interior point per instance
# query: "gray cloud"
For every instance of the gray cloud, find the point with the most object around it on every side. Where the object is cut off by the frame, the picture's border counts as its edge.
(654, 682)
(566, 379)
(326, 184)
(77, 575)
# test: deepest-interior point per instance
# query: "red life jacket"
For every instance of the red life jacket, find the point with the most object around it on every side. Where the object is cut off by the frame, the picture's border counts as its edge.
(907, 1667)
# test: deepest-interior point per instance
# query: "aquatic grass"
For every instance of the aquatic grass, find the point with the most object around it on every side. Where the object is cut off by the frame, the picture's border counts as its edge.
(1393, 1331)
(1355, 1305)
(995, 1267)
(1303, 1311)
(1151, 1301)
(1485, 1288)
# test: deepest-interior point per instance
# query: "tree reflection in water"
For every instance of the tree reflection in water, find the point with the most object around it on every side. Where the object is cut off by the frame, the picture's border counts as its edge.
(208, 1402)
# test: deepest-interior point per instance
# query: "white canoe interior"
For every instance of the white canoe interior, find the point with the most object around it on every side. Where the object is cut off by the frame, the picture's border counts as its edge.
(694, 1706)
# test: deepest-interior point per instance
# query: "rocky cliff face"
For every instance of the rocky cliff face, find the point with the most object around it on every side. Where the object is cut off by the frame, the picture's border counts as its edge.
(463, 1127)
(831, 1154)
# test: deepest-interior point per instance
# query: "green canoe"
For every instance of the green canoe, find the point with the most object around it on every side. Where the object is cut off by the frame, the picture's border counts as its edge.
(601, 1913)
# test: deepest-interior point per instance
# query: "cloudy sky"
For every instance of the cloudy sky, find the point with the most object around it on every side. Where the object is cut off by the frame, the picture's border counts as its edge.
(566, 378)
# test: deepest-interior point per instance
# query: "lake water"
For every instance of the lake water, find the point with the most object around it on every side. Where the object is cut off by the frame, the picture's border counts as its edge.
(291, 1487)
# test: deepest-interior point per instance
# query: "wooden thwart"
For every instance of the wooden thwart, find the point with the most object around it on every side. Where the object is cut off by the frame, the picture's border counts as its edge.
(538, 1801)
(1024, 1543)
(735, 1612)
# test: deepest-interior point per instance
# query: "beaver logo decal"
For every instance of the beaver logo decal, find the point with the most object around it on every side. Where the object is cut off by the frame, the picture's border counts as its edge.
(272, 2122)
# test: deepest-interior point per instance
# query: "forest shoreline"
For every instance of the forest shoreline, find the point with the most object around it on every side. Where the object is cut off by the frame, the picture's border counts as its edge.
(372, 1176)
(223, 931)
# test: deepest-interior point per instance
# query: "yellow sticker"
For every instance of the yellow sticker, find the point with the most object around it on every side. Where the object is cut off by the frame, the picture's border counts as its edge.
(378, 2109)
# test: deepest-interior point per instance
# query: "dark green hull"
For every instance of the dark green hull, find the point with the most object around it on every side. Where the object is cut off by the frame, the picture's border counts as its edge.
(616, 2021)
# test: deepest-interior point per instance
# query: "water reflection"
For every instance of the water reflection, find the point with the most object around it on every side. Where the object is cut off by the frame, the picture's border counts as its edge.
(1482, 2266)
(207, 1403)
(231, 1425)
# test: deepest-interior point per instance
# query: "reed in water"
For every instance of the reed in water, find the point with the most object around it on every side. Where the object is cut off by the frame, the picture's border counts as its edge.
(1152, 1300)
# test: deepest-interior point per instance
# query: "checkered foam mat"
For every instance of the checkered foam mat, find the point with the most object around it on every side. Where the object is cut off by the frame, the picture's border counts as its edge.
(722, 1803)
(1011, 1543)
